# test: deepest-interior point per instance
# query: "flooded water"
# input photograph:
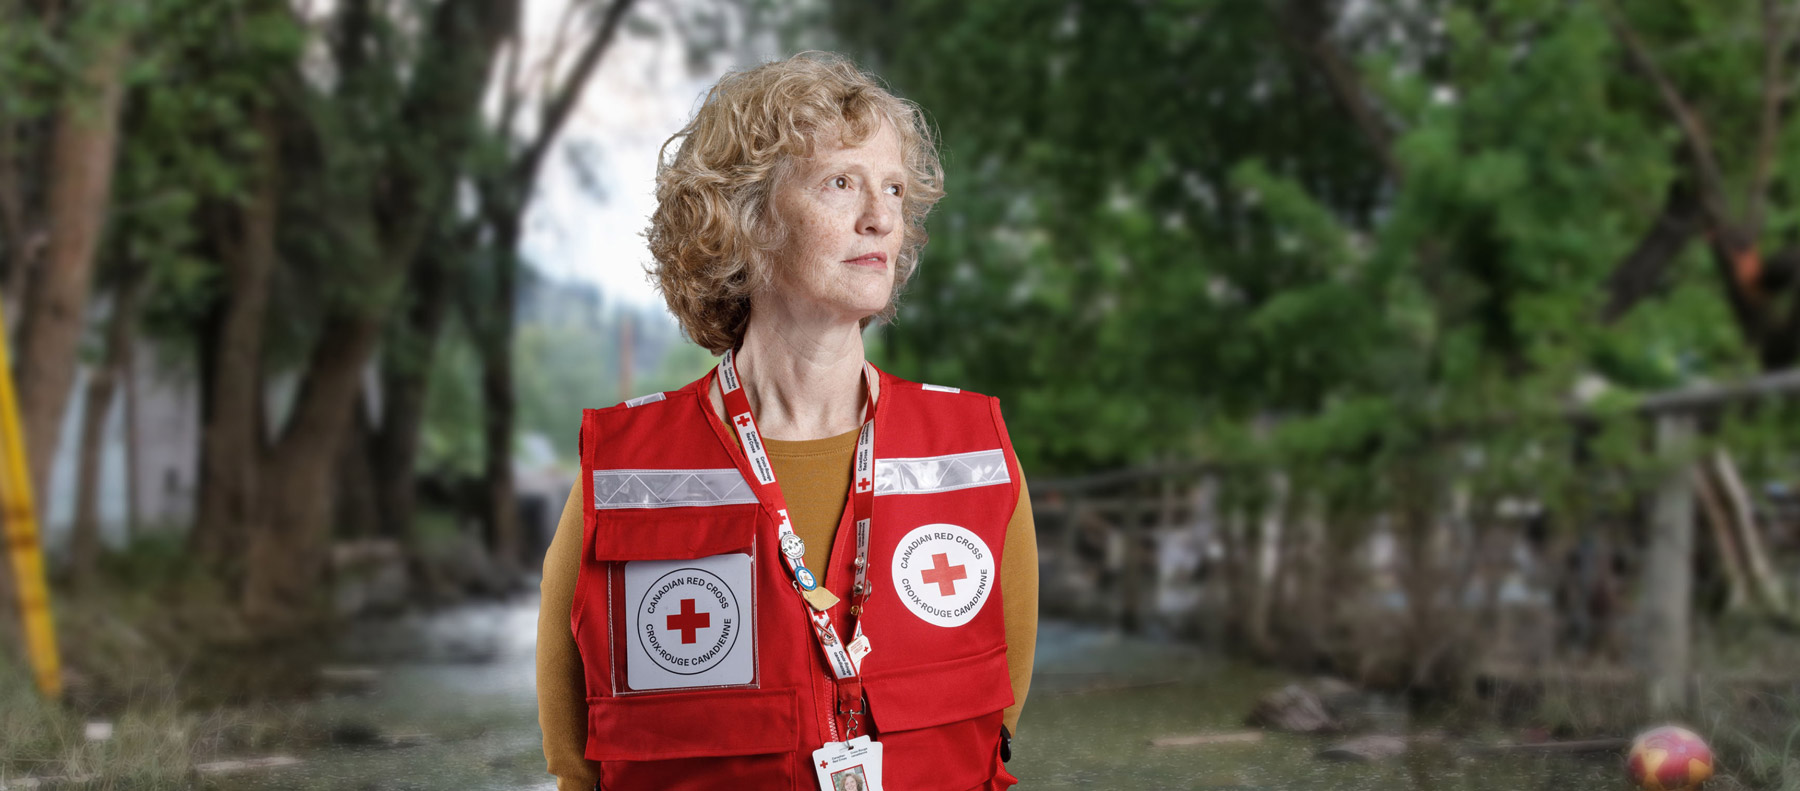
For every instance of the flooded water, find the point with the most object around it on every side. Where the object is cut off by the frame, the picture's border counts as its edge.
(1099, 699)
(457, 689)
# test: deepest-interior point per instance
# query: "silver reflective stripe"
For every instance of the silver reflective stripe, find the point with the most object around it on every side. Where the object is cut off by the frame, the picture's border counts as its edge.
(644, 399)
(669, 488)
(941, 473)
(941, 388)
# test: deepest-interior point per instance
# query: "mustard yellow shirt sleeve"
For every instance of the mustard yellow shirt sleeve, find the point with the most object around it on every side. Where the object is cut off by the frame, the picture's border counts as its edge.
(1019, 578)
(561, 686)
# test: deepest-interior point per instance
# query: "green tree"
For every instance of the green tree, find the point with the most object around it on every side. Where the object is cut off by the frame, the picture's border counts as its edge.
(1164, 220)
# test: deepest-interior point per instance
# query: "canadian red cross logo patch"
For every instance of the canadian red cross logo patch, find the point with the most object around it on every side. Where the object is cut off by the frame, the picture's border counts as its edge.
(944, 573)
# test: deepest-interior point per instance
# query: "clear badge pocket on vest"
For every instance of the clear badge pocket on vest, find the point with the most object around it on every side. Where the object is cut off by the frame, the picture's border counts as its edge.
(681, 599)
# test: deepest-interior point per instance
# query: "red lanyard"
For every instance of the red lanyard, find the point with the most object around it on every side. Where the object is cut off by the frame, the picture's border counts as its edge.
(845, 661)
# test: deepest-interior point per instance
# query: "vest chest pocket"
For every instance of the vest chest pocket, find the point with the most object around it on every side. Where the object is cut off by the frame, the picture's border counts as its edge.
(698, 741)
(681, 597)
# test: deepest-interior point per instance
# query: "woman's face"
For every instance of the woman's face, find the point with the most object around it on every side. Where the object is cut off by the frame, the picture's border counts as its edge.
(842, 209)
(851, 783)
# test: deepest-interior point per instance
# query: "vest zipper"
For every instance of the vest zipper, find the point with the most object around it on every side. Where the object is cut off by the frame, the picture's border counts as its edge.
(831, 715)
(822, 680)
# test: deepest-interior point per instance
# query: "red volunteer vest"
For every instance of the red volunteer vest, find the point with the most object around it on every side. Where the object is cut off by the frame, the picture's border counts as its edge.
(702, 669)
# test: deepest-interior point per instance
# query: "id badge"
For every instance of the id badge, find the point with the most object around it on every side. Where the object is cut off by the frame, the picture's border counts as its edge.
(849, 766)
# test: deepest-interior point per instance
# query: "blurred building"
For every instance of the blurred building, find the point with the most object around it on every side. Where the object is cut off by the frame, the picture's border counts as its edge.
(149, 483)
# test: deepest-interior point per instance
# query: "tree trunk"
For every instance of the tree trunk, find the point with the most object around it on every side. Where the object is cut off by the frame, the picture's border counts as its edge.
(1238, 566)
(82, 155)
(1305, 604)
(407, 365)
(1764, 580)
(22, 232)
(1264, 558)
(497, 419)
(84, 549)
(405, 380)
(133, 511)
(1643, 272)
(232, 437)
(287, 552)
(442, 111)
(1731, 559)
(84, 536)
(1423, 576)
(1668, 571)
(503, 200)
(356, 511)
(1343, 573)
(1134, 529)
(502, 209)
(1416, 582)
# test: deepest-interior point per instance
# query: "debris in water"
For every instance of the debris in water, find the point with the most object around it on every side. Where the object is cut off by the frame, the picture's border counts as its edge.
(243, 764)
(1200, 739)
(1365, 749)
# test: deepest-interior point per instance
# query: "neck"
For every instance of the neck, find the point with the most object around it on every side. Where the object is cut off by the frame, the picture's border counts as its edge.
(804, 382)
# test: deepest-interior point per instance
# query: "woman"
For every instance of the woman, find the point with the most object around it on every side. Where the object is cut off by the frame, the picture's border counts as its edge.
(798, 563)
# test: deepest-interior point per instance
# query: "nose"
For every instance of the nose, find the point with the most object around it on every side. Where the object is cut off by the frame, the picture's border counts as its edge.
(879, 215)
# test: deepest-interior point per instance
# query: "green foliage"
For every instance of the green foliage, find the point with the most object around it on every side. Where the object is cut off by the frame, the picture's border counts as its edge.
(566, 358)
(199, 70)
(1104, 272)
(451, 439)
(1164, 234)
(563, 369)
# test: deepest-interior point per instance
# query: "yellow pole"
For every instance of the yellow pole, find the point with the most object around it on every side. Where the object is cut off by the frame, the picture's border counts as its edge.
(22, 547)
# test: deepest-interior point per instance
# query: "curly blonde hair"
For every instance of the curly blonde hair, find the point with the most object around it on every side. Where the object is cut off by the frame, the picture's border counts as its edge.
(715, 235)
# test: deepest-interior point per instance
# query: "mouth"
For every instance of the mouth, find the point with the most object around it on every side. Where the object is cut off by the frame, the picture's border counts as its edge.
(875, 260)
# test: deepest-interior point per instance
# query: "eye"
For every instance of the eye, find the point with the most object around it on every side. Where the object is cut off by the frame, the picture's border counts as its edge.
(840, 182)
(895, 190)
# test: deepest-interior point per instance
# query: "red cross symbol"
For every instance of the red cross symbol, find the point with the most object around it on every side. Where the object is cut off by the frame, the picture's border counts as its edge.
(944, 575)
(823, 764)
(862, 485)
(688, 622)
(743, 420)
(783, 514)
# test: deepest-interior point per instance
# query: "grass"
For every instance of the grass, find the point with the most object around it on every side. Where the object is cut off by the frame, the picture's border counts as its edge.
(1754, 724)
(159, 651)
(151, 747)
(1746, 696)
(1757, 740)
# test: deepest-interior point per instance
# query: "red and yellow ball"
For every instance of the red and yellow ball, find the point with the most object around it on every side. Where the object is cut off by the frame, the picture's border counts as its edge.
(1669, 758)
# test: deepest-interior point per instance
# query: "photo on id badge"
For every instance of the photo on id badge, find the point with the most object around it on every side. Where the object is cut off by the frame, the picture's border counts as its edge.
(849, 766)
(849, 780)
